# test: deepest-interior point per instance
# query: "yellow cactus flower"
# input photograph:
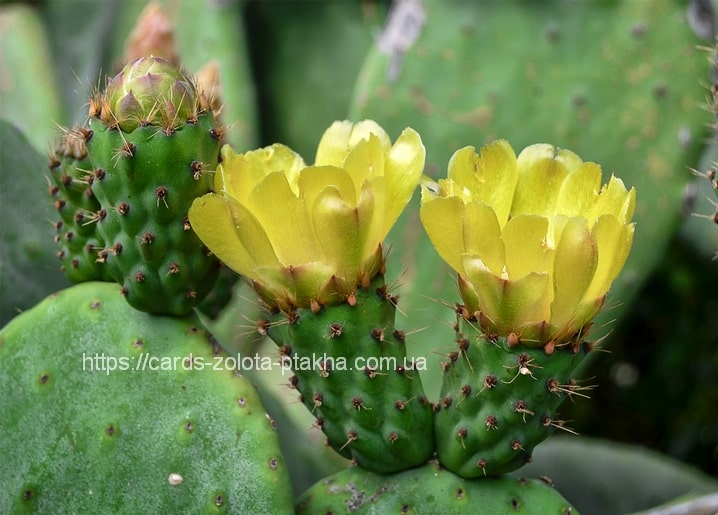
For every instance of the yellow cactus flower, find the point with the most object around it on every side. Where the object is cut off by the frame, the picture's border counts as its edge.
(308, 235)
(536, 240)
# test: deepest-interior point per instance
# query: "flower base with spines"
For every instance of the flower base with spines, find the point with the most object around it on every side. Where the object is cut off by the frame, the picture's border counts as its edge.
(499, 399)
(145, 181)
(362, 388)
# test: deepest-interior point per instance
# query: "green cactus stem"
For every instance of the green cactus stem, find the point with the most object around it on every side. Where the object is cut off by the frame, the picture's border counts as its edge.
(499, 399)
(353, 374)
(152, 144)
(70, 178)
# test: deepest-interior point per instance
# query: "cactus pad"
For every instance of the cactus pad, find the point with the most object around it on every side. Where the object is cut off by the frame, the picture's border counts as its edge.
(430, 490)
(109, 410)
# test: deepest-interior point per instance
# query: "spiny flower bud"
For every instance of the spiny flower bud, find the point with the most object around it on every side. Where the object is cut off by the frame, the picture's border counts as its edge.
(148, 91)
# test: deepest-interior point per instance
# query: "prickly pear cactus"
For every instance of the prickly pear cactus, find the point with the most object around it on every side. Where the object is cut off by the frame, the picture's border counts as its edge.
(152, 143)
(429, 490)
(353, 374)
(531, 72)
(108, 408)
(70, 173)
(499, 400)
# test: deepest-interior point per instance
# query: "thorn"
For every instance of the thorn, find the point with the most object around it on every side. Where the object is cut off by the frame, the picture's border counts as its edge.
(351, 437)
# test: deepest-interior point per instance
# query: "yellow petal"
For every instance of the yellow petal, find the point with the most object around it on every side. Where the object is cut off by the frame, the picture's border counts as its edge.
(482, 235)
(238, 174)
(441, 218)
(286, 220)
(231, 177)
(508, 304)
(614, 241)
(231, 233)
(364, 161)
(332, 148)
(541, 170)
(579, 192)
(575, 263)
(402, 170)
(372, 199)
(616, 200)
(341, 136)
(314, 179)
(341, 230)
(364, 128)
(524, 238)
(490, 177)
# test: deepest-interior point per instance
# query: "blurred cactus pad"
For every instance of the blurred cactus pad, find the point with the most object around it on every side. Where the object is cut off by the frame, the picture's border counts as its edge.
(628, 84)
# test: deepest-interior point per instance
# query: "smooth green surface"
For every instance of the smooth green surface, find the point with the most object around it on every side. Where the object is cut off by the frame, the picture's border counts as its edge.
(29, 268)
(102, 403)
(430, 490)
(600, 476)
(29, 95)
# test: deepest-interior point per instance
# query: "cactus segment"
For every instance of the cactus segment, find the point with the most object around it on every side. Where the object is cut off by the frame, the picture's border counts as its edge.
(150, 161)
(430, 490)
(112, 409)
(353, 374)
(145, 181)
(499, 400)
(70, 180)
